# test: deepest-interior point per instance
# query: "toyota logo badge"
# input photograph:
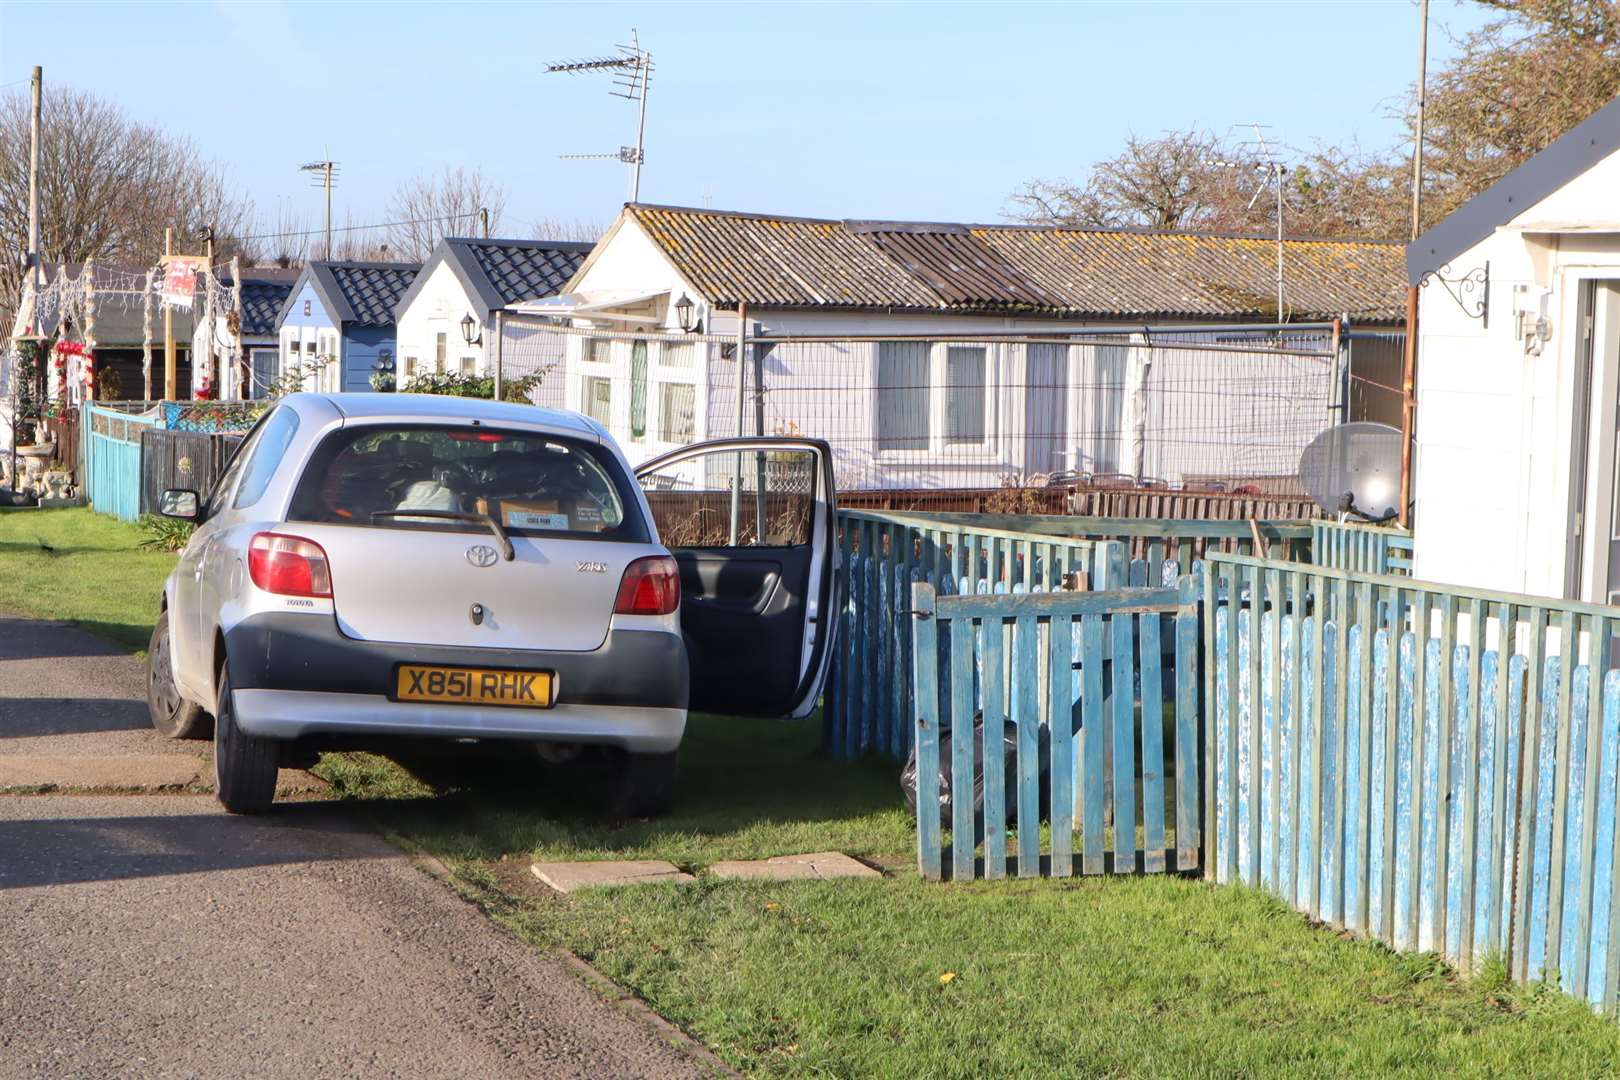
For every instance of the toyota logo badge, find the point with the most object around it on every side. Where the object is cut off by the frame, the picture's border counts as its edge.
(482, 555)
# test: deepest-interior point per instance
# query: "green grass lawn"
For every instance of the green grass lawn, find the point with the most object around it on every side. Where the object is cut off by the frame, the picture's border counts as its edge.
(1143, 976)
(81, 567)
(1146, 976)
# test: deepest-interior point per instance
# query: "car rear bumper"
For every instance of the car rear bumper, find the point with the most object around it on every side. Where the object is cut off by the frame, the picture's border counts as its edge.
(295, 714)
(297, 674)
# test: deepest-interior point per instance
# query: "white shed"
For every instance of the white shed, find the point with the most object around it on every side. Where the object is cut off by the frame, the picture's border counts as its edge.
(1518, 377)
(469, 279)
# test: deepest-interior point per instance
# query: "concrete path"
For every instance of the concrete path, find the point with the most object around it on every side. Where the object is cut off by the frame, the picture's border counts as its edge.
(156, 936)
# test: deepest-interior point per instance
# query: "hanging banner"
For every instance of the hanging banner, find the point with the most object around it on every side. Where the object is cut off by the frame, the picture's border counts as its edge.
(180, 279)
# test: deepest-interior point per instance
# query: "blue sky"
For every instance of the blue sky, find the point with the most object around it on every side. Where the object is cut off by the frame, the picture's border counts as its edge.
(885, 110)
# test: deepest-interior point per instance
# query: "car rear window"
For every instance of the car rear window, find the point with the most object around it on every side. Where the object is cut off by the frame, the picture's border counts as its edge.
(533, 484)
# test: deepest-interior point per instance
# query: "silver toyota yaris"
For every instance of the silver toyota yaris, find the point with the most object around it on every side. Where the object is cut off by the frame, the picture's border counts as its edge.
(378, 566)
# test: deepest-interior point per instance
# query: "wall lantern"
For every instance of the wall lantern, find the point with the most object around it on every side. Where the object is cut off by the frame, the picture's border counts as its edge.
(683, 312)
(467, 324)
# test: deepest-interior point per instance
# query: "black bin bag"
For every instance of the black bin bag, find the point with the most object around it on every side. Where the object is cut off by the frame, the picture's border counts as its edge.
(1009, 760)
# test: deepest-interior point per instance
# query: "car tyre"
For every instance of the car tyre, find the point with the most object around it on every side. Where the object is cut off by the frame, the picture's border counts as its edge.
(645, 785)
(172, 715)
(244, 765)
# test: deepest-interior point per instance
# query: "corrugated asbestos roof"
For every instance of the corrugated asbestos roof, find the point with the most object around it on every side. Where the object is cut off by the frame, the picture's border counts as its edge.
(370, 289)
(1010, 269)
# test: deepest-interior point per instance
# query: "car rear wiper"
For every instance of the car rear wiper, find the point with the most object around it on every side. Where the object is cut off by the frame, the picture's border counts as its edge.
(456, 515)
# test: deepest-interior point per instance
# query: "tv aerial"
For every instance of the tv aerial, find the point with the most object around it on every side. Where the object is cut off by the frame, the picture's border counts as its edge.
(1354, 469)
(632, 71)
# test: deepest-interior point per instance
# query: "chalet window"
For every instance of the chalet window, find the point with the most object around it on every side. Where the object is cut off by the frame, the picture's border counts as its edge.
(678, 355)
(964, 395)
(599, 350)
(438, 353)
(677, 412)
(410, 366)
(638, 390)
(598, 395)
(902, 395)
(468, 364)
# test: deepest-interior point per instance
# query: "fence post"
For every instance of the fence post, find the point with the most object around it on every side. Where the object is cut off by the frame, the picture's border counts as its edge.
(925, 663)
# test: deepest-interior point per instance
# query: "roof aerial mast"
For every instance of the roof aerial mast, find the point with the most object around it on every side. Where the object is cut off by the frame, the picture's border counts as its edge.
(631, 69)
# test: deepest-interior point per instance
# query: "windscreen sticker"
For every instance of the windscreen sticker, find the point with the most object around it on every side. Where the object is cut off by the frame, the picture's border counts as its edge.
(532, 519)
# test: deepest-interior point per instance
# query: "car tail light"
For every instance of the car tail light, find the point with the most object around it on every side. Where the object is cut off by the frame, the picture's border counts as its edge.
(289, 565)
(650, 586)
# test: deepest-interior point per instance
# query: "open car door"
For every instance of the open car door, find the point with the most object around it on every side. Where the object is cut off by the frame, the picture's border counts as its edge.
(751, 522)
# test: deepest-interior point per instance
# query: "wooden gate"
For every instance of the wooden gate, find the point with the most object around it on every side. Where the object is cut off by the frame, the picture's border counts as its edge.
(1077, 682)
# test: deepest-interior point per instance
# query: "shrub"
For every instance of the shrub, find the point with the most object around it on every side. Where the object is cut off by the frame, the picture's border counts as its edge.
(167, 534)
(454, 384)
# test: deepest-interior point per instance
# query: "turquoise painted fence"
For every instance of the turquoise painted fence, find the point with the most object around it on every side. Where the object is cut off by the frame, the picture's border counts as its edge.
(1182, 540)
(1431, 766)
(1080, 677)
(1370, 549)
(867, 704)
(113, 460)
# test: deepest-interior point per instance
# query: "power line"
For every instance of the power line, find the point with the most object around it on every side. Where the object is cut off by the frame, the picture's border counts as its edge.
(357, 228)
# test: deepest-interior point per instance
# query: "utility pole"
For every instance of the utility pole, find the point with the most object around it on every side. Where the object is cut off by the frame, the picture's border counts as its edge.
(325, 176)
(483, 220)
(171, 389)
(35, 269)
(1422, 95)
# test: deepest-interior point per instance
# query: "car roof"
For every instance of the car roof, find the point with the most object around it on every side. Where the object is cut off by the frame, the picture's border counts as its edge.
(358, 406)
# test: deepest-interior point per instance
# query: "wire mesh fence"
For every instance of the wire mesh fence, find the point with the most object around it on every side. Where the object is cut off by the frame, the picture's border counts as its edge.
(1198, 410)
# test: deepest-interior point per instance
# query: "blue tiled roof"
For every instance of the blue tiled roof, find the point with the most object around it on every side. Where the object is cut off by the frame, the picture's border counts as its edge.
(371, 289)
(523, 269)
(261, 302)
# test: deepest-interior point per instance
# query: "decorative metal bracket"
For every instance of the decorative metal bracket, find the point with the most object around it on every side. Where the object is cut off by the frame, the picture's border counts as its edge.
(1464, 288)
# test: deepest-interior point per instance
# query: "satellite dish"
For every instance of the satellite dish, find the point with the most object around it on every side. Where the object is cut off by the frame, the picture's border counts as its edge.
(1354, 469)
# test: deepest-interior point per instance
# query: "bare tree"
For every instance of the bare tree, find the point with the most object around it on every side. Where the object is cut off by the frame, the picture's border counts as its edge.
(283, 240)
(1515, 86)
(1182, 180)
(577, 230)
(108, 187)
(430, 208)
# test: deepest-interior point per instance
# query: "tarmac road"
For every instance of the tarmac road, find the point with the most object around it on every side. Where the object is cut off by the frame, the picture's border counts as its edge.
(156, 936)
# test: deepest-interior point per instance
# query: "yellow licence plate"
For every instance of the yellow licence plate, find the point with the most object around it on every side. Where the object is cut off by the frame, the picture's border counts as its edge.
(474, 686)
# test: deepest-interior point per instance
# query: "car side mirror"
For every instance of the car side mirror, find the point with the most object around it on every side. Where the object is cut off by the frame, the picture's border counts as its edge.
(179, 503)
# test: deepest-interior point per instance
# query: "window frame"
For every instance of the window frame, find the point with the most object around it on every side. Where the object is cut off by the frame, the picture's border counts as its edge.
(982, 451)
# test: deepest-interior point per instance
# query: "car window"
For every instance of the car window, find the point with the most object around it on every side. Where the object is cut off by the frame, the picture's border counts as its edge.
(261, 459)
(221, 493)
(774, 491)
(531, 483)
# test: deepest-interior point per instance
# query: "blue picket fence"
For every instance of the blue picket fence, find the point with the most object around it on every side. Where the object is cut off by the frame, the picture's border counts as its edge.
(112, 460)
(1369, 549)
(1466, 801)
(867, 705)
(1102, 756)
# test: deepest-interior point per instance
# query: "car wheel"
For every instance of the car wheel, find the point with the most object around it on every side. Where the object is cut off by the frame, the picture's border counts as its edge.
(645, 785)
(244, 765)
(172, 715)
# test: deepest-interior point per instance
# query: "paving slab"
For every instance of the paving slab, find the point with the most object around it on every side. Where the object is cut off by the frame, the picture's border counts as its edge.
(565, 877)
(816, 865)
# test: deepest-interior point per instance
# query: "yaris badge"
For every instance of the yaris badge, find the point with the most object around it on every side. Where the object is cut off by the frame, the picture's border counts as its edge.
(590, 566)
(482, 555)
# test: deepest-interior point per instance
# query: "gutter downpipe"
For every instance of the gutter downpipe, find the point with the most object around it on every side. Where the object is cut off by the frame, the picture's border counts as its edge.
(1408, 405)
